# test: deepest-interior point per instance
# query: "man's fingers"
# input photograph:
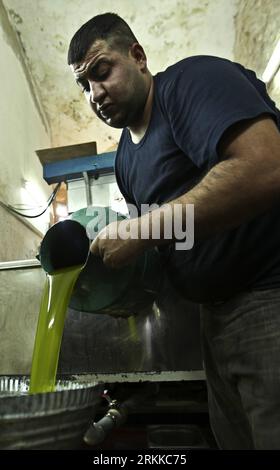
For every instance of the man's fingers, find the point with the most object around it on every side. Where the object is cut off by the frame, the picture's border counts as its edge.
(94, 247)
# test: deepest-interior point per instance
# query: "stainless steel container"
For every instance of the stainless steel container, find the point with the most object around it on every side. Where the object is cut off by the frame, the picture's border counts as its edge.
(56, 420)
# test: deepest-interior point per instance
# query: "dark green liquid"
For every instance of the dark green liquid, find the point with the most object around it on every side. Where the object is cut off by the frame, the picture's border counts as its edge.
(56, 296)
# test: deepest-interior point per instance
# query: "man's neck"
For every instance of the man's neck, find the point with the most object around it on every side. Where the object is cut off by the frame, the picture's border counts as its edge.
(138, 130)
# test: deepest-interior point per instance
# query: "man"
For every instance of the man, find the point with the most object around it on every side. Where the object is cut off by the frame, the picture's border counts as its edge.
(202, 133)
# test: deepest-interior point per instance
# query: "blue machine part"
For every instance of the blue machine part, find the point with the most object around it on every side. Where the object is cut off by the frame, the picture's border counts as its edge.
(67, 170)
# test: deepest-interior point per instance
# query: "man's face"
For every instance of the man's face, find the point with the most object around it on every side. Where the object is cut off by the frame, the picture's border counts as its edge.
(113, 84)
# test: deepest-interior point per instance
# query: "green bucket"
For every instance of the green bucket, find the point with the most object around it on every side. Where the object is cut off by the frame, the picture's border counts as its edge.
(99, 289)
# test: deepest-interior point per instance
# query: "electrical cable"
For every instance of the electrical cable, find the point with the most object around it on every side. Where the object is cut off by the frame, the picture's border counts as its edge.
(49, 201)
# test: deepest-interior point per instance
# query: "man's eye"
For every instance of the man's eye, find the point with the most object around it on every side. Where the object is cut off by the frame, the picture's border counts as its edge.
(100, 74)
(104, 74)
(85, 87)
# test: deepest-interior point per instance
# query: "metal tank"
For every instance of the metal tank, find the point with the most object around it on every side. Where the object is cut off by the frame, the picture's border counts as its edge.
(161, 342)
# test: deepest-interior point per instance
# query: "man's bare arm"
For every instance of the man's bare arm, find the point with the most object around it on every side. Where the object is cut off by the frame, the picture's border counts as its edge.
(245, 183)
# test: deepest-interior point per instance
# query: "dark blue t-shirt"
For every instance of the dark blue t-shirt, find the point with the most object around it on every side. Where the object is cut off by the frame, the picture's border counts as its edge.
(195, 102)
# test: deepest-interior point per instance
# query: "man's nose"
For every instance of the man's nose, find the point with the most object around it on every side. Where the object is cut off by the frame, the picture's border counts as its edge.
(97, 92)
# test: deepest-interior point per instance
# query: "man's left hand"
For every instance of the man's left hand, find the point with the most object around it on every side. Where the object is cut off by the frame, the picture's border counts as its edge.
(119, 243)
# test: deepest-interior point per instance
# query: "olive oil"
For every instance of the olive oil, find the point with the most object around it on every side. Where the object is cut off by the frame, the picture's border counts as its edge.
(56, 295)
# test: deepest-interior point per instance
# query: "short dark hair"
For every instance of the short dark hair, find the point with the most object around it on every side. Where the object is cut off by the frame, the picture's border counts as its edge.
(109, 27)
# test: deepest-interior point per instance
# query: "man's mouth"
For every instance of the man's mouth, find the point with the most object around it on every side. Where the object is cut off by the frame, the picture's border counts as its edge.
(105, 109)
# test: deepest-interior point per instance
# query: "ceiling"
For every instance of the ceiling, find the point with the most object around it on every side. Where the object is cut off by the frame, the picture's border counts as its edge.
(169, 30)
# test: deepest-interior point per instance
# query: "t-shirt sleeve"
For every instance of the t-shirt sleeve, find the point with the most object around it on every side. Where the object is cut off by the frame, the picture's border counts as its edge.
(204, 99)
(131, 204)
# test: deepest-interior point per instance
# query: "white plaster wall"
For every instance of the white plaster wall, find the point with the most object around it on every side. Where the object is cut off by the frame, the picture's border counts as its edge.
(257, 25)
(21, 133)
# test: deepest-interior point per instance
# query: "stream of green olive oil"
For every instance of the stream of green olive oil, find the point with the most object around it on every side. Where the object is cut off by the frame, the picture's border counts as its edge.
(55, 299)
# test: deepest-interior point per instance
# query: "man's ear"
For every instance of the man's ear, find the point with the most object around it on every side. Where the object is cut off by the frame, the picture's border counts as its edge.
(137, 53)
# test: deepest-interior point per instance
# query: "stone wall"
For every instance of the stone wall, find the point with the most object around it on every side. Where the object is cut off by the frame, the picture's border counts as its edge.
(257, 32)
